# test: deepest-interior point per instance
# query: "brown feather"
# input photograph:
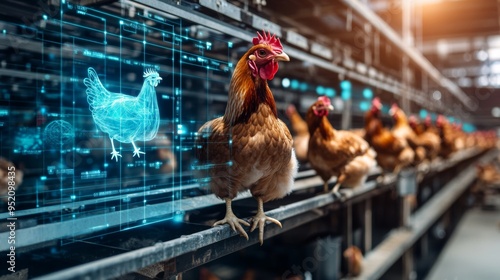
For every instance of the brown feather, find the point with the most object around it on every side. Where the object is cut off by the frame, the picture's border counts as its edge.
(249, 147)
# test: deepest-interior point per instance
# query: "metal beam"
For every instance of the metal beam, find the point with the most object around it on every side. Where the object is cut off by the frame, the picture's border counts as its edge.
(290, 214)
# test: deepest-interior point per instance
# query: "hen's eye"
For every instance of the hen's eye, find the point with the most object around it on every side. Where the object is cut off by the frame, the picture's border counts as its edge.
(262, 53)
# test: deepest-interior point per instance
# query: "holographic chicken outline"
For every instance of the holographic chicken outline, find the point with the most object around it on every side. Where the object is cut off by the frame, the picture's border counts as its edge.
(125, 118)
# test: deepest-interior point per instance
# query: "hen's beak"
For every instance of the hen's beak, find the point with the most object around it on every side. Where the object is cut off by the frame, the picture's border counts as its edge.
(330, 107)
(282, 57)
(159, 78)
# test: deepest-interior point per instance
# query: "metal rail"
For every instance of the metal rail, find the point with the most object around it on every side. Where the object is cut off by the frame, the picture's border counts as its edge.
(54, 231)
(378, 261)
(291, 216)
(410, 51)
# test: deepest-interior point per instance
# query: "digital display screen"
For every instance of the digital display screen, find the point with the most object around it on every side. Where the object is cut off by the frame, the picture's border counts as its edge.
(100, 109)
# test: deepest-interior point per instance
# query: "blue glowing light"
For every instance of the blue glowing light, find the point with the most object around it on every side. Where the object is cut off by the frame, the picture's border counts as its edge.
(368, 93)
(467, 127)
(346, 94)
(433, 116)
(123, 117)
(320, 90)
(181, 129)
(44, 17)
(364, 106)
(385, 109)
(345, 85)
(330, 92)
(178, 217)
(73, 197)
(423, 113)
(303, 86)
(285, 82)
(295, 84)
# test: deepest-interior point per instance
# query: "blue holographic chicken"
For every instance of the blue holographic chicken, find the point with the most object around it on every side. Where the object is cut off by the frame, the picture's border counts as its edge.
(123, 117)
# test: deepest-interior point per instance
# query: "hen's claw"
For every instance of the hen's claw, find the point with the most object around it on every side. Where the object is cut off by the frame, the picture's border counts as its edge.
(234, 222)
(137, 152)
(115, 154)
(260, 220)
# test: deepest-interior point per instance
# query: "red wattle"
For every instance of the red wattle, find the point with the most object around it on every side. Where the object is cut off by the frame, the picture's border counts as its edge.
(268, 71)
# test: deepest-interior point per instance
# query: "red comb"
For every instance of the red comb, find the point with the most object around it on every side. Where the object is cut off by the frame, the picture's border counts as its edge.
(268, 39)
(325, 100)
(376, 103)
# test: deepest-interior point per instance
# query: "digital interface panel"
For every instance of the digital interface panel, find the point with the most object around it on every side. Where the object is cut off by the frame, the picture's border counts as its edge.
(102, 105)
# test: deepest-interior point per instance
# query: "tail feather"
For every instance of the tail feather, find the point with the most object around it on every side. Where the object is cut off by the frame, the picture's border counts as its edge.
(96, 92)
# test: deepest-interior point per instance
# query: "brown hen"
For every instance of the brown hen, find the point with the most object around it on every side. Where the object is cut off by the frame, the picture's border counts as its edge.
(249, 148)
(393, 154)
(331, 150)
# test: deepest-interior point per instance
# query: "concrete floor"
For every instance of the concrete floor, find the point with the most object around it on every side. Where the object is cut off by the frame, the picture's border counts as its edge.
(473, 252)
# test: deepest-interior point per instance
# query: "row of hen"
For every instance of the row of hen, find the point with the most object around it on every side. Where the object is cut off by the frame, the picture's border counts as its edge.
(250, 148)
(350, 155)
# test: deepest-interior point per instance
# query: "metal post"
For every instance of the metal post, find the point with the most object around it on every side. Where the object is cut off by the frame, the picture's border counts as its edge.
(407, 185)
(346, 114)
(408, 40)
(368, 224)
(408, 265)
(424, 245)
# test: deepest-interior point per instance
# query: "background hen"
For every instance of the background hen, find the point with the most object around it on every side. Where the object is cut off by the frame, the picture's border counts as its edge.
(392, 153)
(301, 138)
(403, 131)
(449, 140)
(249, 147)
(123, 117)
(428, 138)
(330, 150)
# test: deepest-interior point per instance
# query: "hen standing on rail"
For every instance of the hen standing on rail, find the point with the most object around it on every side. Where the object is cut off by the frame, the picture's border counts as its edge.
(393, 154)
(403, 131)
(123, 117)
(330, 150)
(249, 147)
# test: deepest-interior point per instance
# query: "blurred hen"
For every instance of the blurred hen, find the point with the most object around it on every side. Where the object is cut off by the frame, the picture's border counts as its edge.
(301, 138)
(393, 154)
(332, 152)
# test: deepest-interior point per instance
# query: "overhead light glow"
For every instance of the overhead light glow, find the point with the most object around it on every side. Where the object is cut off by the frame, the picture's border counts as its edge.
(285, 82)
(436, 95)
(495, 112)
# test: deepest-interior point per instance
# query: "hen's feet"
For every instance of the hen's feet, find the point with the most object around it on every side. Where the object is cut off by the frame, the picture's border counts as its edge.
(137, 152)
(115, 154)
(233, 221)
(260, 220)
(337, 193)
